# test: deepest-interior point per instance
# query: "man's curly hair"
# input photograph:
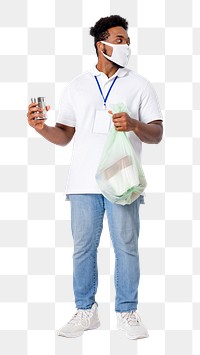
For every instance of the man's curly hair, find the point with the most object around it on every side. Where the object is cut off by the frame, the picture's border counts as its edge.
(100, 30)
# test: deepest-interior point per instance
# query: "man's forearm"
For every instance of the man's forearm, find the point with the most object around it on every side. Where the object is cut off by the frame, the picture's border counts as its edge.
(55, 135)
(148, 133)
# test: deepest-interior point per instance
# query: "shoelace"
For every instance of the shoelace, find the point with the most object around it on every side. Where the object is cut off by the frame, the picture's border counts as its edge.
(81, 317)
(132, 318)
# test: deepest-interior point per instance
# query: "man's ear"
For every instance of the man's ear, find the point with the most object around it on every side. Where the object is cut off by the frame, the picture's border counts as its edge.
(100, 46)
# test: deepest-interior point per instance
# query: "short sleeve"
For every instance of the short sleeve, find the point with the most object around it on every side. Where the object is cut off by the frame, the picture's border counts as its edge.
(66, 115)
(149, 109)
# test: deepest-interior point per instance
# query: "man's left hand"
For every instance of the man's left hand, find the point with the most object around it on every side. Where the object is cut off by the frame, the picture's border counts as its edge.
(122, 122)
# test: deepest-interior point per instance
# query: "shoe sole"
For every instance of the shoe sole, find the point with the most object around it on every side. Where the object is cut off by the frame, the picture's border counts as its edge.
(142, 336)
(138, 337)
(70, 335)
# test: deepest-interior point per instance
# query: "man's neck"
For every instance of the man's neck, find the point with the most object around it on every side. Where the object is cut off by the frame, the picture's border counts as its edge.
(107, 68)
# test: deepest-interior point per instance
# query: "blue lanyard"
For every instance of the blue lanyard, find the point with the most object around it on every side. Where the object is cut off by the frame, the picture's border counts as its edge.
(105, 98)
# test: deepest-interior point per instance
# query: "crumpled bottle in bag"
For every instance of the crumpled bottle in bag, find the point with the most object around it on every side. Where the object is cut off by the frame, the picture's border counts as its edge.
(120, 176)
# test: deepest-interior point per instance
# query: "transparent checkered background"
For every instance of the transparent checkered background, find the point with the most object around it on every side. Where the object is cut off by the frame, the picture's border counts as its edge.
(44, 44)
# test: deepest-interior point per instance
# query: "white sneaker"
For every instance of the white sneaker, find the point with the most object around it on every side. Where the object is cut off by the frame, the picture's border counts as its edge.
(84, 319)
(132, 324)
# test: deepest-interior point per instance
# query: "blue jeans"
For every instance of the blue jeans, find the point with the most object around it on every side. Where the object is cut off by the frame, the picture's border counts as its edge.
(87, 213)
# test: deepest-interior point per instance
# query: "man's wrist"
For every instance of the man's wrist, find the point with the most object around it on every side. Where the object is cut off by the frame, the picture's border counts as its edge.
(41, 130)
(135, 125)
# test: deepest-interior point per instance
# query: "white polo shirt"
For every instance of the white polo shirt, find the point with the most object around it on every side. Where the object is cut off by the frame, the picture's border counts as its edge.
(78, 104)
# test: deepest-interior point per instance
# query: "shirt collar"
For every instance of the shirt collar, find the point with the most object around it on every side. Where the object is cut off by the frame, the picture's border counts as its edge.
(120, 72)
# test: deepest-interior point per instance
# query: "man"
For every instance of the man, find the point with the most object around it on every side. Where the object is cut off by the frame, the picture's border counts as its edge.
(83, 115)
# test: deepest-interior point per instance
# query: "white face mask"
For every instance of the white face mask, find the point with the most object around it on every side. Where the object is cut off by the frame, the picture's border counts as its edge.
(120, 54)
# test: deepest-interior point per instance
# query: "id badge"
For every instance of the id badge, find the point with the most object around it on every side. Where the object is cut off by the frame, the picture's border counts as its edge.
(101, 122)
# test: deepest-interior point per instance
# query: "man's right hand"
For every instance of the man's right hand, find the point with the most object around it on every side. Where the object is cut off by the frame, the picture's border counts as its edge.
(34, 112)
(60, 134)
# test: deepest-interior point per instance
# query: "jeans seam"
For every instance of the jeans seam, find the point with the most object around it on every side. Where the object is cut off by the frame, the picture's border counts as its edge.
(97, 238)
(117, 276)
(128, 310)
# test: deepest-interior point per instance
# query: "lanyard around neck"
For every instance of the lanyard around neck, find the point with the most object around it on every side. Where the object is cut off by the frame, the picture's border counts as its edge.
(105, 98)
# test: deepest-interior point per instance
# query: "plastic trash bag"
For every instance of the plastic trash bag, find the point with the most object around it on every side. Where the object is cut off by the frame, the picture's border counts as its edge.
(120, 176)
